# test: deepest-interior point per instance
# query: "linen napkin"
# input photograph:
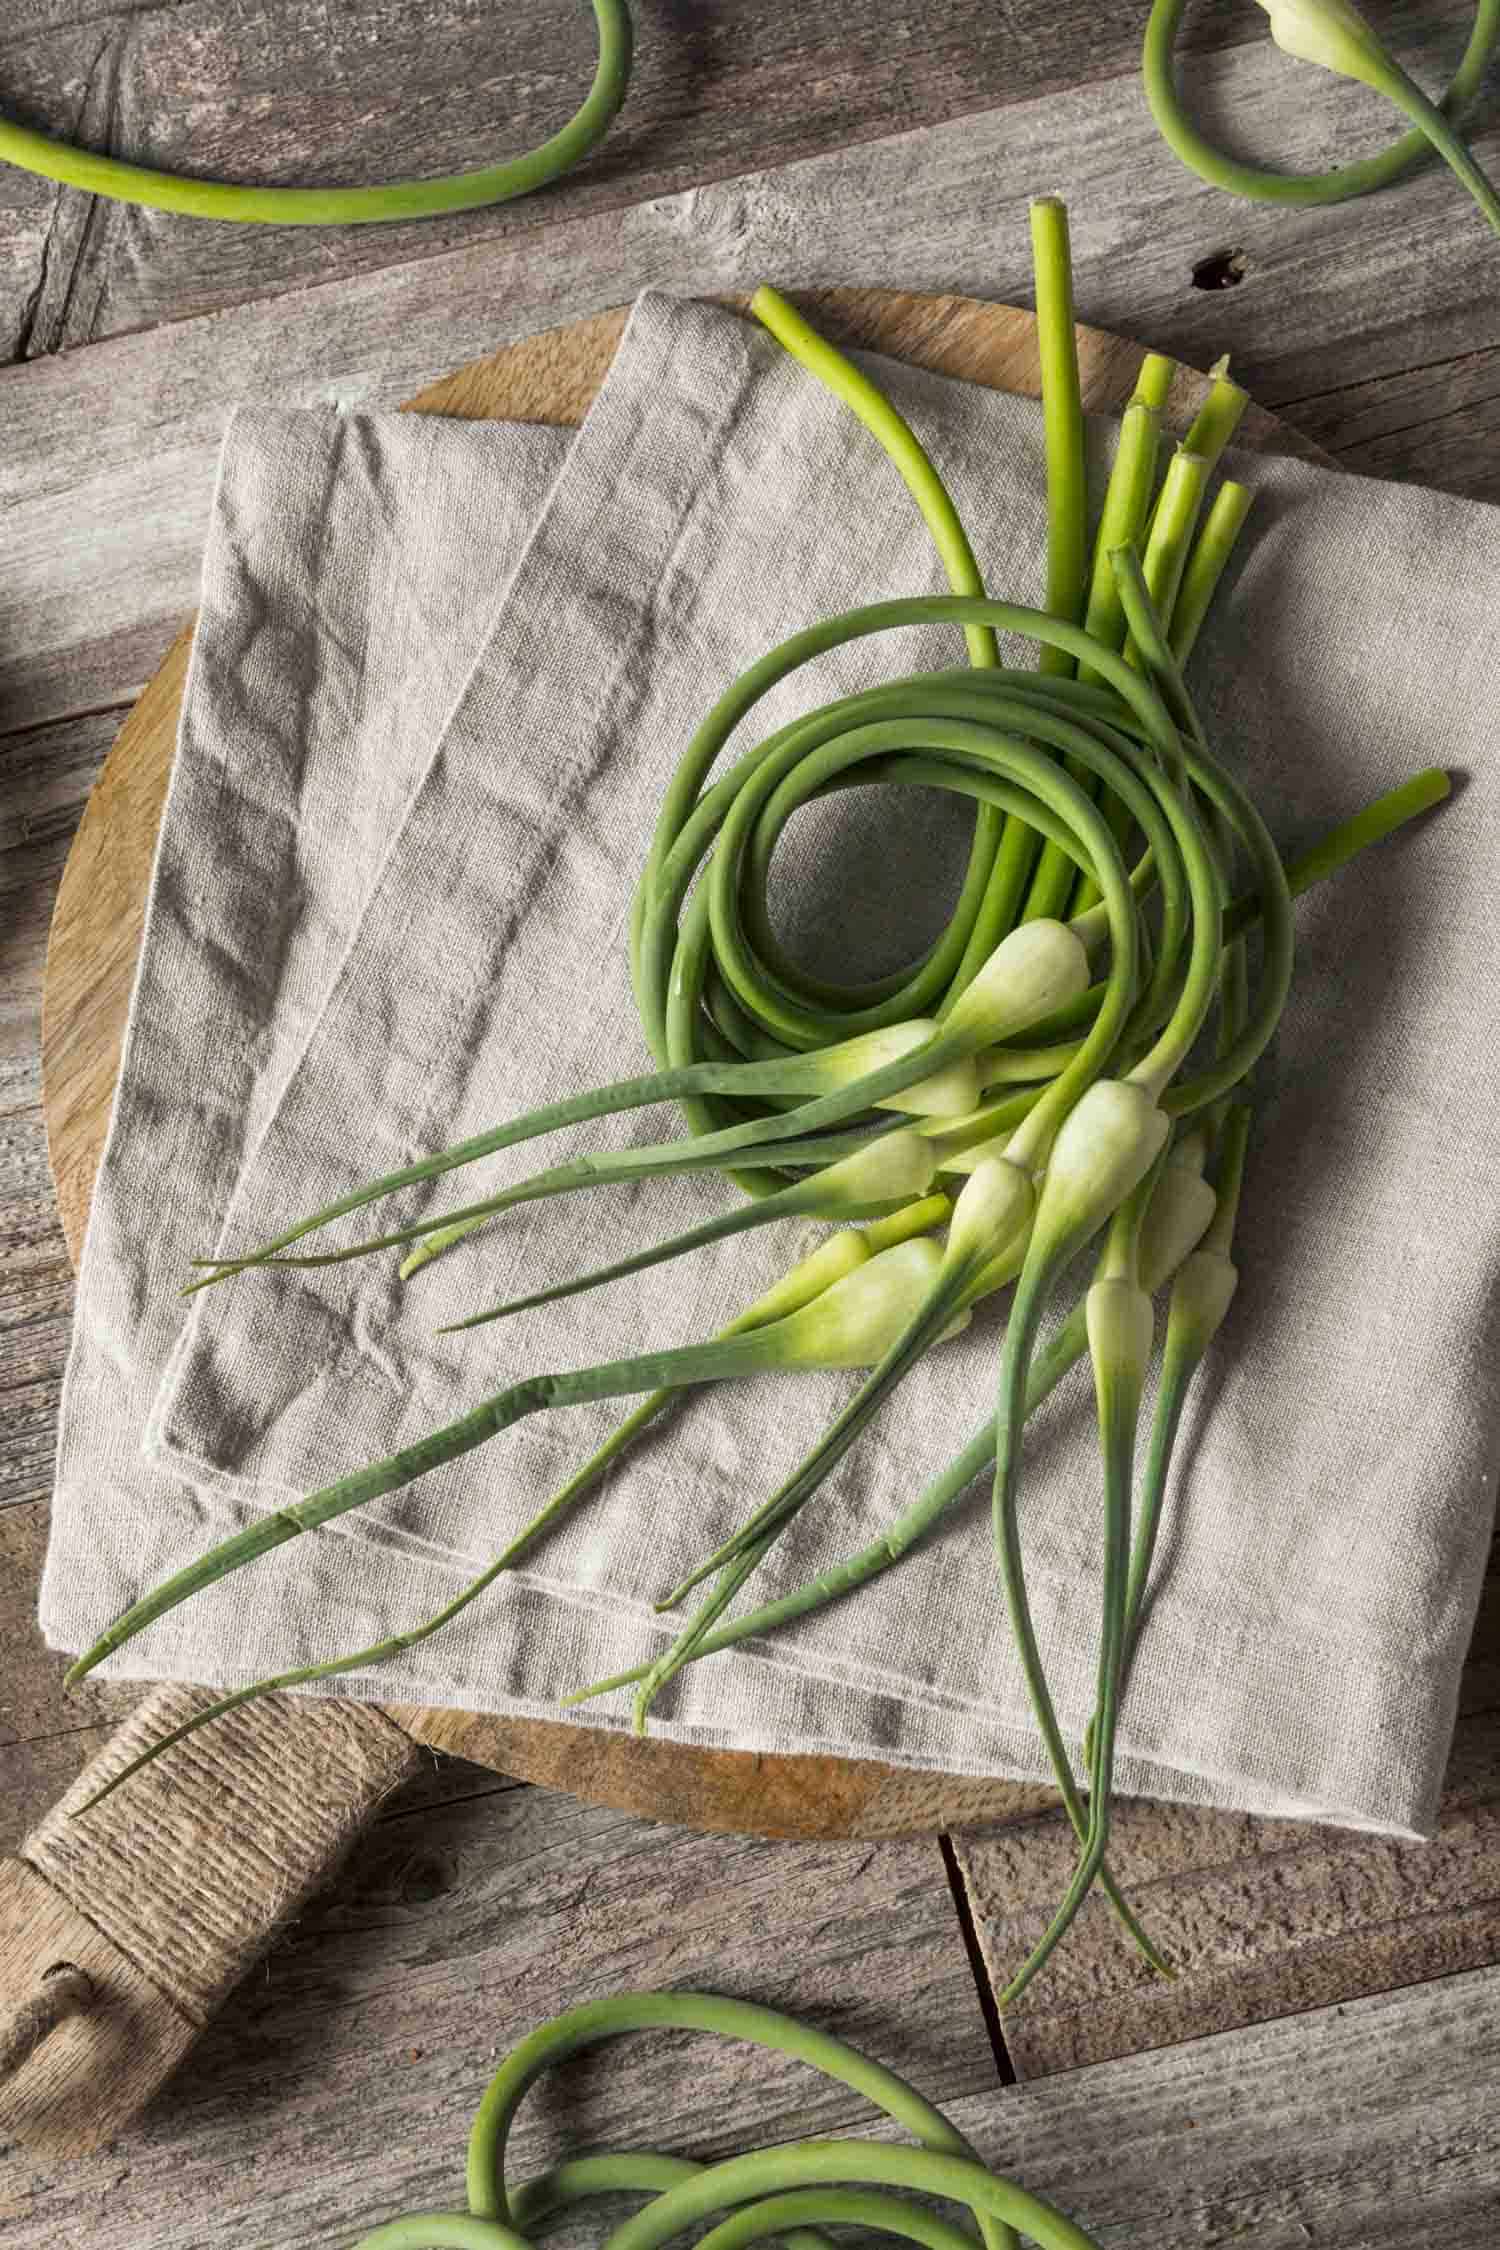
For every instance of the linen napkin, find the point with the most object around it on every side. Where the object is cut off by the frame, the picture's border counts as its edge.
(443, 677)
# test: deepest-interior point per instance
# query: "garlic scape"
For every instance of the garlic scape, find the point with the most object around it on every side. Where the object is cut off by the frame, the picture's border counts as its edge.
(1029, 1086)
(852, 1323)
(1333, 35)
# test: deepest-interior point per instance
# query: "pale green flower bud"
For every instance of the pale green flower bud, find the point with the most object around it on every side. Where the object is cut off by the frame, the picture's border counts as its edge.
(1120, 1326)
(1332, 34)
(1201, 1296)
(855, 1323)
(897, 1167)
(1177, 1217)
(829, 1262)
(950, 1092)
(1039, 967)
(1105, 1146)
(994, 1207)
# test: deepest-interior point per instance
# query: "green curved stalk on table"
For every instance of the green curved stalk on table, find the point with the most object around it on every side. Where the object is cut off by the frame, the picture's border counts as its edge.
(785, 2191)
(603, 2020)
(1333, 34)
(121, 182)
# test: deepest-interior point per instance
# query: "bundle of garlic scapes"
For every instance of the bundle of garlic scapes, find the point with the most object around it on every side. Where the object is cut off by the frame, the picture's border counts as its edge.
(1029, 1085)
(787, 2192)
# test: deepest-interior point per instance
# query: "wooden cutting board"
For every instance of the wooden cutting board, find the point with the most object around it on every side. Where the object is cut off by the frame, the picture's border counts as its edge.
(112, 1886)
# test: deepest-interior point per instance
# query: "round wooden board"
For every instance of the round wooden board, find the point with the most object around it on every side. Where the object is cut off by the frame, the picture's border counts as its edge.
(96, 934)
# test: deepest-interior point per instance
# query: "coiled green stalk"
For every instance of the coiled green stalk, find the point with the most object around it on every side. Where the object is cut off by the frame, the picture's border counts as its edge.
(346, 206)
(787, 1081)
(1331, 33)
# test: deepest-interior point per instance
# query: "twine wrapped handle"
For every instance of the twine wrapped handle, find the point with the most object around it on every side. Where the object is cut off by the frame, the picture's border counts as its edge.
(122, 1929)
(61, 1991)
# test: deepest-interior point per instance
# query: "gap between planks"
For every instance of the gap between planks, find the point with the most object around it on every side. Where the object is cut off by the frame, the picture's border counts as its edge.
(940, 206)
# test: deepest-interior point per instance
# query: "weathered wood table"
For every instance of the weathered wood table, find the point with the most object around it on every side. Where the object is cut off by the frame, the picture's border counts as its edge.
(1328, 2067)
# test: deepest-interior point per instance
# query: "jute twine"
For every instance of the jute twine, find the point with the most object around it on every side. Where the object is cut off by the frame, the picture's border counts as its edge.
(192, 1866)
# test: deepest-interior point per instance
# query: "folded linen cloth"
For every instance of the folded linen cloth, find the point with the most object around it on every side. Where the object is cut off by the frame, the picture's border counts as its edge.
(443, 676)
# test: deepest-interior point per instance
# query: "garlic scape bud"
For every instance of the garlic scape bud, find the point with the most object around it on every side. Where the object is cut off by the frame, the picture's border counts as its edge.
(854, 1323)
(884, 1174)
(1104, 1148)
(1038, 969)
(1120, 1327)
(1177, 1217)
(993, 1209)
(1332, 34)
(1201, 1297)
(950, 1092)
(830, 1261)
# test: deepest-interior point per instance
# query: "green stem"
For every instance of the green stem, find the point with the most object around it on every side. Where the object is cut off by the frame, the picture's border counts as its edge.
(1020, 1338)
(1127, 504)
(1002, 848)
(720, 1360)
(600, 2020)
(774, 1514)
(1267, 186)
(346, 206)
(798, 1201)
(1119, 1408)
(1062, 414)
(1206, 565)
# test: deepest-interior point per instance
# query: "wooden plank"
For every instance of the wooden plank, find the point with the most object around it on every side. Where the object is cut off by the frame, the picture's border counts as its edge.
(353, 2060)
(104, 539)
(1439, 425)
(383, 89)
(352, 2065)
(1261, 1918)
(48, 1733)
(42, 83)
(1373, 2126)
(45, 777)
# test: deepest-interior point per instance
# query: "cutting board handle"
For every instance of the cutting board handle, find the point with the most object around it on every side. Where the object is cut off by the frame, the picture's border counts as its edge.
(163, 1895)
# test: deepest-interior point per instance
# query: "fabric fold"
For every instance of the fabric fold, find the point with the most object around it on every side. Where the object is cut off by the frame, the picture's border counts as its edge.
(1329, 1526)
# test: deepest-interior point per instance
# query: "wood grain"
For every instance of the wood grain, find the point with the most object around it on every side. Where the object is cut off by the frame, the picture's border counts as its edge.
(461, 1920)
(1359, 2126)
(1352, 296)
(379, 90)
(348, 2070)
(1261, 1918)
(45, 776)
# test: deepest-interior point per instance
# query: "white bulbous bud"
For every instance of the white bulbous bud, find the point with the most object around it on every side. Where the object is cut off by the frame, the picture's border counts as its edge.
(1106, 1145)
(892, 1169)
(995, 1205)
(1040, 967)
(1177, 1218)
(949, 1092)
(830, 1261)
(1120, 1325)
(855, 1323)
(1201, 1296)
(1332, 34)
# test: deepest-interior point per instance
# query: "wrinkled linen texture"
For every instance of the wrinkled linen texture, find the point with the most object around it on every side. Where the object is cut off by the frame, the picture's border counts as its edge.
(442, 678)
